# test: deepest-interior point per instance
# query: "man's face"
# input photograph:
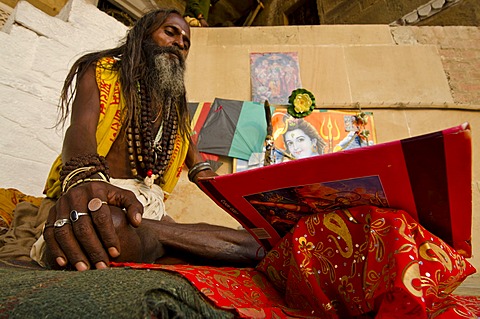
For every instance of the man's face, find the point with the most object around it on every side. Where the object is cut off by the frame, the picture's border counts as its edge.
(173, 32)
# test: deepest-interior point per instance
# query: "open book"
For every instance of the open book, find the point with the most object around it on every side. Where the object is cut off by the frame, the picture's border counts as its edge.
(428, 176)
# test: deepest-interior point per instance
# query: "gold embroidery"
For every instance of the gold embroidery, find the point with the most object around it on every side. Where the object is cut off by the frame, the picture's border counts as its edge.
(409, 274)
(311, 222)
(345, 288)
(432, 252)
(403, 227)
(337, 225)
(323, 256)
(378, 229)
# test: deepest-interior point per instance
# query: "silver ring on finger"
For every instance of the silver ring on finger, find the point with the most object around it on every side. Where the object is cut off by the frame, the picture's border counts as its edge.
(61, 222)
(75, 215)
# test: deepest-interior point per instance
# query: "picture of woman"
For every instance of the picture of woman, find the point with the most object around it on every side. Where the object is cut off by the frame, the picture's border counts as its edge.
(301, 139)
(321, 132)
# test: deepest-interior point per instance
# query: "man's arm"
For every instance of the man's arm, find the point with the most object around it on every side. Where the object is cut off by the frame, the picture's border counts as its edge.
(194, 157)
(195, 243)
(209, 244)
(78, 243)
(80, 135)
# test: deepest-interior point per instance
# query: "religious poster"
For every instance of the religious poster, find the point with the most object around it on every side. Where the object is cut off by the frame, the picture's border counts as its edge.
(321, 132)
(274, 76)
(329, 131)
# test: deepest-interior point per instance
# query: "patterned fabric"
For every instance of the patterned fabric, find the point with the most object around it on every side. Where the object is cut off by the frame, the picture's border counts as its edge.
(109, 125)
(243, 290)
(365, 262)
(249, 294)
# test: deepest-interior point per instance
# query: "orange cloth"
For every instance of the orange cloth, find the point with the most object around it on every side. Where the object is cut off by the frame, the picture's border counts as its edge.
(9, 198)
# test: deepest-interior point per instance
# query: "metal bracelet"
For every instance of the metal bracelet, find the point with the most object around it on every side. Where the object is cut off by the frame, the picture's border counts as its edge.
(86, 180)
(197, 168)
(72, 174)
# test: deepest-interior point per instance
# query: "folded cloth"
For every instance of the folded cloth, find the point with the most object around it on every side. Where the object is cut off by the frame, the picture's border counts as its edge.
(9, 198)
(362, 260)
(25, 229)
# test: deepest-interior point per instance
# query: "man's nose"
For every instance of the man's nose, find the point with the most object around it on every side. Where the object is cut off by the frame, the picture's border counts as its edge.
(178, 42)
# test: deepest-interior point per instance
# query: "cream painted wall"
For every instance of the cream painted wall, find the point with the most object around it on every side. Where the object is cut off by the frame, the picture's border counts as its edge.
(340, 64)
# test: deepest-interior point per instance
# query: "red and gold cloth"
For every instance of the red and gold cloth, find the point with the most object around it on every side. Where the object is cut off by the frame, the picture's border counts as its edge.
(367, 260)
(361, 262)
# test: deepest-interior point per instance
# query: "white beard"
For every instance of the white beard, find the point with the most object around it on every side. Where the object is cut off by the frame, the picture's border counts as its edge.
(170, 76)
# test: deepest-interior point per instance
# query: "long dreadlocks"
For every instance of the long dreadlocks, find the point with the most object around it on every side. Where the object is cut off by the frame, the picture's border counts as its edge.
(132, 66)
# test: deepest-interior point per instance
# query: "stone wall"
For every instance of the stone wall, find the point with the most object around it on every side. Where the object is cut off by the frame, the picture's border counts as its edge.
(421, 12)
(364, 11)
(50, 7)
(459, 48)
(37, 51)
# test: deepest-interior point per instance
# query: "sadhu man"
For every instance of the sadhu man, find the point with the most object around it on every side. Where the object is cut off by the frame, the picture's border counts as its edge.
(127, 141)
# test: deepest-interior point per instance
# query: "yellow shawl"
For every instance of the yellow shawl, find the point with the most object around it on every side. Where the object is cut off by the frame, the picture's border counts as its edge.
(109, 124)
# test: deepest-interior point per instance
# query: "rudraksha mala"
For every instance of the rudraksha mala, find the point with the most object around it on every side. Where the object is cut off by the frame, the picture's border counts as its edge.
(150, 156)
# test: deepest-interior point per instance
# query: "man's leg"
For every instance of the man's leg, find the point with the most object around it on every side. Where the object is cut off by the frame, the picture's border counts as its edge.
(195, 243)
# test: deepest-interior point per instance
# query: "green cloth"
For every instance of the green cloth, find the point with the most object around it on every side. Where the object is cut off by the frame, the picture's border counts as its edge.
(111, 293)
(196, 7)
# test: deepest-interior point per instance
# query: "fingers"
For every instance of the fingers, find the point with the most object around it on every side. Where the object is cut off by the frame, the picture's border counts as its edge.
(128, 200)
(54, 249)
(61, 242)
(102, 219)
(82, 237)
(86, 235)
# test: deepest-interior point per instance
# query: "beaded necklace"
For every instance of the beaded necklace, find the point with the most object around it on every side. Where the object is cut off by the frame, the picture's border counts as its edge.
(149, 157)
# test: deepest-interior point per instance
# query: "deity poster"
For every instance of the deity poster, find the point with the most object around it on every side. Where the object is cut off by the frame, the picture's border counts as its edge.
(332, 131)
(321, 132)
(274, 76)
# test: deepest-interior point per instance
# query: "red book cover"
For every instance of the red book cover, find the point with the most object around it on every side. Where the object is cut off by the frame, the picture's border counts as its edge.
(429, 176)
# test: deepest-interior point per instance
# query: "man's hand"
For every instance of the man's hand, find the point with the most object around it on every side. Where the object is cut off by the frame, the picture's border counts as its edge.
(83, 234)
(204, 175)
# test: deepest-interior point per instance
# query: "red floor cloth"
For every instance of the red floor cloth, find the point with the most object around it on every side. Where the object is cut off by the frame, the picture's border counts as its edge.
(361, 262)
